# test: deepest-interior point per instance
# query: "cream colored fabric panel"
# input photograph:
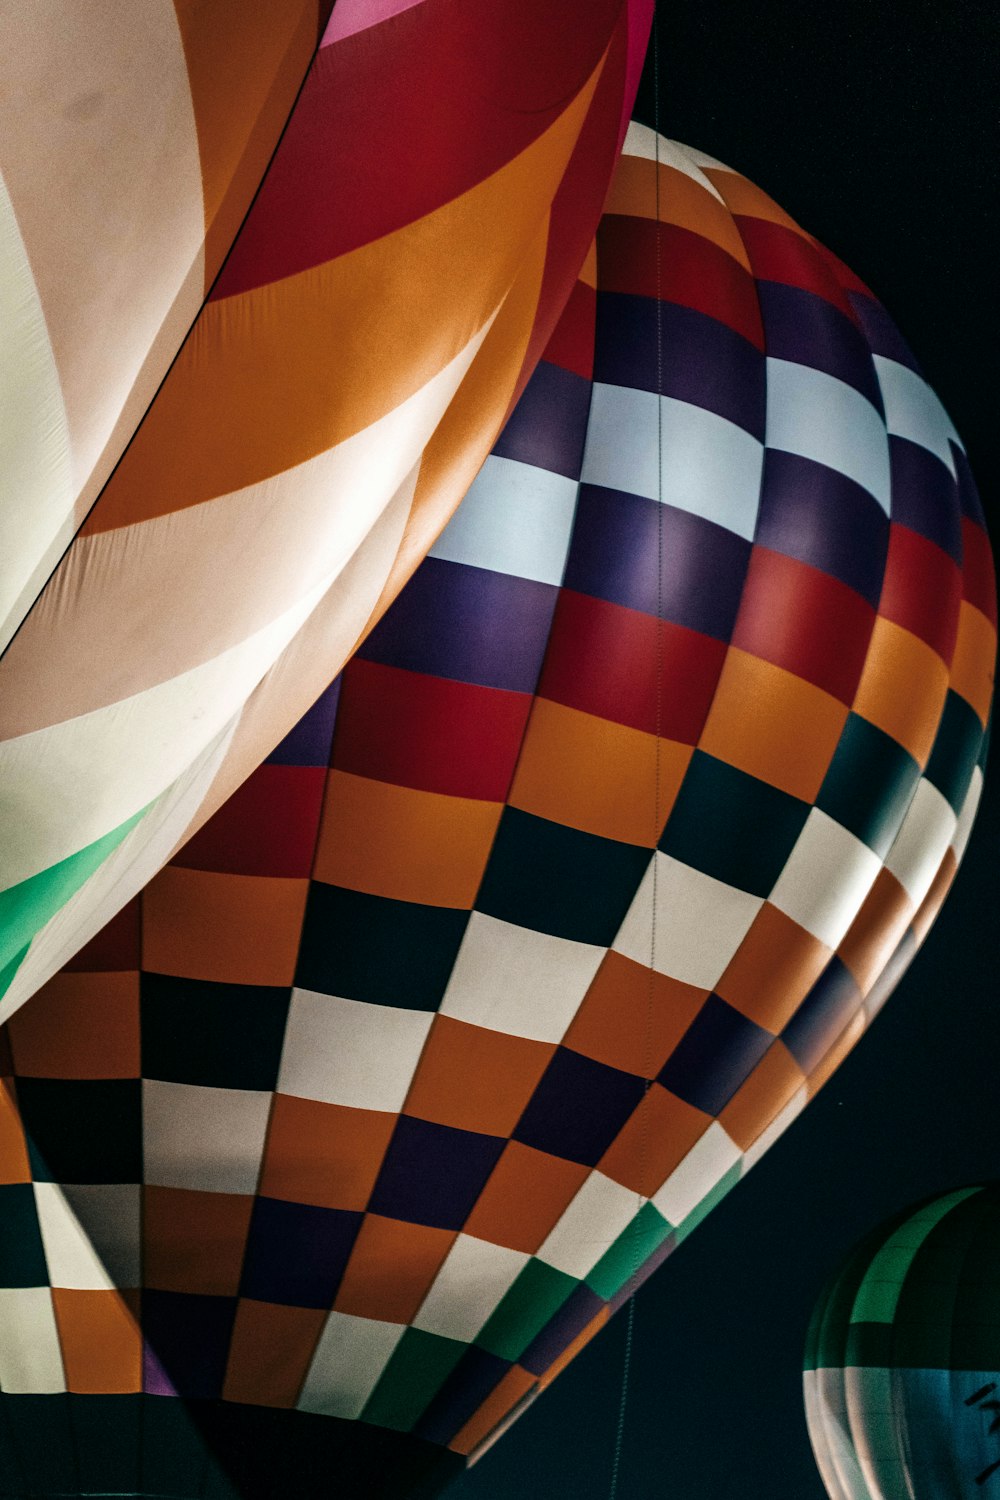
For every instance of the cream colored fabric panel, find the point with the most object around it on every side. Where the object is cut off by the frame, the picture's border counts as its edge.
(100, 152)
(36, 481)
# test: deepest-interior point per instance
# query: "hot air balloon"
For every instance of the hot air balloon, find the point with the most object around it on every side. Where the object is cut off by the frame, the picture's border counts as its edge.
(419, 227)
(902, 1365)
(550, 915)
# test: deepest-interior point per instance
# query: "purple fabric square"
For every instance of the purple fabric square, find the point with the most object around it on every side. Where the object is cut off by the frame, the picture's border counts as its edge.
(296, 1253)
(188, 1339)
(578, 1108)
(717, 1053)
(808, 330)
(968, 494)
(308, 744)
(881, 332)
(924, 496)
(455, 621)
(548, 426)
(433, 1174)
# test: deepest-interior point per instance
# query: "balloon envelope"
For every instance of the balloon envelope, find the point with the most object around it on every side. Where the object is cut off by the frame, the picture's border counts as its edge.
(523, 946)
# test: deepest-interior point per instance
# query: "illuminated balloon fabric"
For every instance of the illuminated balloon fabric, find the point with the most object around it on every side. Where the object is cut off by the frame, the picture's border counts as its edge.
(902, 1364)
(394, 1017)
(132, 143)
(420, 226)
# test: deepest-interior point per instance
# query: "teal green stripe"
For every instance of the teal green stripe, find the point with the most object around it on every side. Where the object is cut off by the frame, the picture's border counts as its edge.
(420, 1364)
(631, 1249)
(536, 1296)
(880, 1289)
(26, 907)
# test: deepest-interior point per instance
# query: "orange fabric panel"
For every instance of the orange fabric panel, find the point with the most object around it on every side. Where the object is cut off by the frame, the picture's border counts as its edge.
(973, 662)
(325, 1154)
(79, 1025)
(773, 969)
(404, 843)
(902, 688)
(877, 930)
(237, 929)
(773, 725)
(194, 1242)
(472, 1078)
(592, 774)
(683, 202)
(14, 1166)
(101, 1342)
(743, 198)
(773, 1082)
(270, 1352)
(526, 1193)
(632, 1018)
(654, 1140)
(391, 1269)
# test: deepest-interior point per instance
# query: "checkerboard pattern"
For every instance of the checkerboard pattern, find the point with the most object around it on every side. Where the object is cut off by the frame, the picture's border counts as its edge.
(902, 1362)
(560, 904)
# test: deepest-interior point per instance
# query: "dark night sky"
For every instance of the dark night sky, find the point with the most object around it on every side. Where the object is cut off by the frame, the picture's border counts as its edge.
(874, 125)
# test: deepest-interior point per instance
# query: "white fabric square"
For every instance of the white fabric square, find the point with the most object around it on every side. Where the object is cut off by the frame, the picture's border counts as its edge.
(513, 979)
(207, 1139)
(822, 418)
(30, 1356)
(826, 878)
(913, 411)
(350, 1052)
(700, 923)
(640, 140)
(710, 1158)
(91, 1234)
(515, 519)
(707, 465)
(347, 1364)
(590, 1224)
(473, 1280)
(922, 840)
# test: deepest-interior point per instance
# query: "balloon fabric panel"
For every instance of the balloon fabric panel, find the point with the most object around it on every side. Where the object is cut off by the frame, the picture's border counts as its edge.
(402, 1045)
(276, 493)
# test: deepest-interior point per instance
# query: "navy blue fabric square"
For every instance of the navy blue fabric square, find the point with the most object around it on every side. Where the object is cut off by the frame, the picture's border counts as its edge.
(453, 620)
(548, 426)
(714, 1057)
(822, 1016)
(371, 948)
(924, 495)
(189, 1336)
(82, 1130)
(881, 332)
(806, 329)
(22, 1257)
(433, 1174)
(731, 826)
(578, 1107)
(477, 1374)
(580, 1308)
(869, 784)
(296, 1253)
(969, 502)
(309, 743)
(217, 1035)
(956, 749)
(702, 567)
(555, 879)
(822, 518)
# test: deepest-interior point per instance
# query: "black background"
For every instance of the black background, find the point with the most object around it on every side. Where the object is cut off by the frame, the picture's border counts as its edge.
(875, 127)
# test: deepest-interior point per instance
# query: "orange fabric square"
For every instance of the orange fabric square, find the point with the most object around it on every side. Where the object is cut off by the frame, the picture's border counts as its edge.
(876, 931)
(773, 1082)
(747, 200)
(653, 1141)
(773, 725)
(474, 1078)
(848, 1038)
(972, 663)
(773, 969)
(403, 843)
(940, 886)
(681, 200)
(194, 1242)
(632, 1018)
(79, 1026)
(391, 1269)
(603, 778)
(902, 688)
(14, 1166)
(325, 1154)
(270, 1352)
(100, 1341)
(524, 1196)
(499, 1404)
(239, 929)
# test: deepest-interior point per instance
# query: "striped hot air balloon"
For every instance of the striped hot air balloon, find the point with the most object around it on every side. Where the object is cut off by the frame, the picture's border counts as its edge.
(545, 921)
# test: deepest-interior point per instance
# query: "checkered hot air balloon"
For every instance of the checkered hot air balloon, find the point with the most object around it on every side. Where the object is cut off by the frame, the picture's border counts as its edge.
(185, 563)
(545, 921)
(902, 1365)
